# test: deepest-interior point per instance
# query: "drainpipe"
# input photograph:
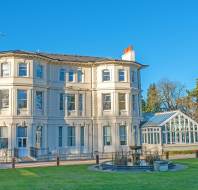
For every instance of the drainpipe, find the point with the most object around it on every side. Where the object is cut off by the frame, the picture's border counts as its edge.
(92, 153)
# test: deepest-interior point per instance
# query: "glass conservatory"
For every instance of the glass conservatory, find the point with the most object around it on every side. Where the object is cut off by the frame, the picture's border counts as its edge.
(169, 131)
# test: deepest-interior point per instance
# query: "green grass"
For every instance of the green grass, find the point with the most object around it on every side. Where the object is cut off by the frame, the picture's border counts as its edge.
(80, 178)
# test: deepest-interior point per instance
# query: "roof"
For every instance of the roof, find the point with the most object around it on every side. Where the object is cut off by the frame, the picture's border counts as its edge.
(65, 57)
(157, 119)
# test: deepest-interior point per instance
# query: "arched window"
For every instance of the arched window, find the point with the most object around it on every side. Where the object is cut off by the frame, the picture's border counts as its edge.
(39, 136)
(106, 75)
(5, 70)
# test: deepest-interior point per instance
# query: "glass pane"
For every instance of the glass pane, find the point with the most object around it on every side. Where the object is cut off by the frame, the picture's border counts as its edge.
(22, 98)
(71, 76)
(61, 105)
(106, 75)
(82, 136)
(62, 75)
(80, 102)
(71, 102)
(21, 131)
(5, 70)
(39, 71)
(3, 143)
(22, 69)
(4, 98)
(121, 75)
(106, 101)
(79, 76)
(122, 103)
(39, 100)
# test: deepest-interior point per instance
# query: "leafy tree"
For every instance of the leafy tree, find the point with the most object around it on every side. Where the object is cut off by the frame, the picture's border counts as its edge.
(143, 105)
(189, 103)
(153, 99)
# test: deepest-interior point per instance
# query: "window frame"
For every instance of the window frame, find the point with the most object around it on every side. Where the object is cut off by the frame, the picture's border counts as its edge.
(3, 100)
(60, 136)
(124, 75)
(124, 135)
(71, 74)
(3, 137)
(106, 77)
(42, 100)
(80, 102)
(62, 74)
(39, 75)
(122, 101)
(105, 103)
(71, 137)
(107, 139)
(26, 69)
(22, 99)
(3, 70)
(61, 101)
(82, 136)
(79, 76)
(71, 103)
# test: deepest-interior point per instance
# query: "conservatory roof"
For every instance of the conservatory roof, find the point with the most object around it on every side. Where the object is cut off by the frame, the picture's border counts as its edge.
(157, 119)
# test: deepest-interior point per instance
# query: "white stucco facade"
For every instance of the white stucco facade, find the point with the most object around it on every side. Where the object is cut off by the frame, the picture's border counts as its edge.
(49, 110)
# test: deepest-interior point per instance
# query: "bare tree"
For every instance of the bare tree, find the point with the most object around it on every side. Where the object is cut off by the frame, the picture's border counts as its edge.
(169, 93)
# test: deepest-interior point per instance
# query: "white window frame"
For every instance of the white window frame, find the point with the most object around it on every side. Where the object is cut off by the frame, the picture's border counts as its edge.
(42, 100)
(107, 141)
(71, 138)
(4, 98)
(122, 70)
(41, 74)
(104, 101)
(22, 99)
(4, 72)
(20, 63)
(62, 74)
(106, 75)
(69, 73)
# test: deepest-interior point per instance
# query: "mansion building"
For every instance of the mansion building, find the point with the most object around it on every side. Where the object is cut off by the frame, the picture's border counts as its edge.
(74, 104)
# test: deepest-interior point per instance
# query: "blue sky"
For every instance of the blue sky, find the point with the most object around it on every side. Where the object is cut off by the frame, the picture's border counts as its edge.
(163, 32)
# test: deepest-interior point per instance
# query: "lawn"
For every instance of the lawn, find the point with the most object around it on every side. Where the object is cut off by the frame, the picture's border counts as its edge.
(79, 177)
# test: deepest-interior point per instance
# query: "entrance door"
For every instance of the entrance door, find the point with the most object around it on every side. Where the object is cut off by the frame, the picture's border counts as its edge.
(22, 141)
